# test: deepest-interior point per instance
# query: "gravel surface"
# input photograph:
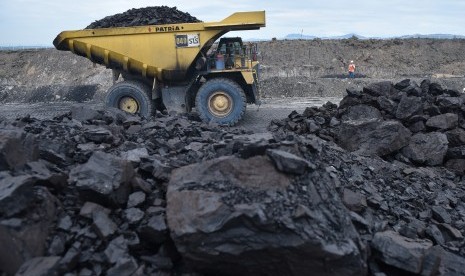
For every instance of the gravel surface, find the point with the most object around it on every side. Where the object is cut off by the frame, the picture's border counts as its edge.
(257, 118)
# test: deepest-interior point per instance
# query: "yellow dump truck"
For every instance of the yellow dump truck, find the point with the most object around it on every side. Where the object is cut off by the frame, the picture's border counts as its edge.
(176, 67)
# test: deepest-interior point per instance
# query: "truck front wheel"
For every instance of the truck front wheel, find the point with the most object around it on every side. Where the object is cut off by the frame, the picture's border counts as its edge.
(132, 97)
(221, 101)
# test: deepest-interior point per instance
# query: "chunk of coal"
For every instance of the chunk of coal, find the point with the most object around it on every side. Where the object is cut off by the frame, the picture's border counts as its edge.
(441, 214)
(400, 252)
(370, 137)
(124, 266)
(40, 266)
(90, 208)
(205, 215)
(133, 215)
(288, 162)
(155, 231)
(456, 137)
(435, 234)
(57, 246)
(104, 178)
(22, 239)
(16, 194)
(99, 135)
(117, 249)
(135, 155)
(65, 223)
(354, 201)
(429, 148)
(438, 261)
(103, 225)
(136, 199)
(16, 149)
(71, 258)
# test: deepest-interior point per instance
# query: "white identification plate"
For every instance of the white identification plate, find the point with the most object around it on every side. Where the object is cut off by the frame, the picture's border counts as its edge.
(187, 40)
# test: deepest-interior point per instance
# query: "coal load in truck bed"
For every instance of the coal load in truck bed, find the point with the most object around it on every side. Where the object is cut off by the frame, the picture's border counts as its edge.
(144, 16)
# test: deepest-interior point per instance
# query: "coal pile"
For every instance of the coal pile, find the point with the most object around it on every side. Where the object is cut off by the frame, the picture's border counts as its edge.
(98, 191)
(144, 16)
(85, 192)
(417, 124)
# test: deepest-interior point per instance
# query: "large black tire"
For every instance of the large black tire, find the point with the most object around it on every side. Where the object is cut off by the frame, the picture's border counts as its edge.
(224, 91)
(135, 94)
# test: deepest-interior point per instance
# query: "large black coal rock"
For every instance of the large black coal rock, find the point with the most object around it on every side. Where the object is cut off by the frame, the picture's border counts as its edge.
(16, 149)
(40, 266)
(24, 236)
(384, 88)
(104, 178)
(289, 163)
(456, 137)
(361, 112)
(103, 225)
(404, 253)
(456, 165)
(438, 261)
(409, 106)
(410, 87)
(427, 148)
(16, 194)
(232, 216)
(373, 137)
(443, 121)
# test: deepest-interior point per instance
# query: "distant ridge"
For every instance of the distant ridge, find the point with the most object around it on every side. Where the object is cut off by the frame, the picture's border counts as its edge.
(299, 36)
(435, 36)
(14, 48)
(351, 35)
(347, 36)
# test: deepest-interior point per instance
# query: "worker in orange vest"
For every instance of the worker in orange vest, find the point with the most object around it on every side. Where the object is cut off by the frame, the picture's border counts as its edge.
(351, 69)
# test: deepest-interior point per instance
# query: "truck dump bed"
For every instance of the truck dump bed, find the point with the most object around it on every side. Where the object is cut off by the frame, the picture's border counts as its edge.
(165, 52)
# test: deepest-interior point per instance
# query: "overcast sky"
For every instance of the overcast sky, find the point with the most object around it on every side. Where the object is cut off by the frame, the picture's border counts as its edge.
(37, 22)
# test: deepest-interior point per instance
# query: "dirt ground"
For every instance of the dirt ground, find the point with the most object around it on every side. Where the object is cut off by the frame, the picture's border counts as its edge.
(290, 68)
(256, 118)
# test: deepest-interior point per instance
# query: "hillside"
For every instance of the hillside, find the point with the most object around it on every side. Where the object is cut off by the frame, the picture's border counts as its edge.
(296, 67)
(375, 58)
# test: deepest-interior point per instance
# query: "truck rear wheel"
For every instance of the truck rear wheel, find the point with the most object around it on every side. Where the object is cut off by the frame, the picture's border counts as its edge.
(221, 101)
(132, 97)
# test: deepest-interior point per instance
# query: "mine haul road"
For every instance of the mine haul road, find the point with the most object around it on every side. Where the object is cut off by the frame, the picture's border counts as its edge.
(256, 118)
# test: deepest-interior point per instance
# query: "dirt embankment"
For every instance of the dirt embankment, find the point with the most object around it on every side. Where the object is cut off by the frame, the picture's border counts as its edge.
(319, 67)
(373, 58)
(50, 75)
(289, 68)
